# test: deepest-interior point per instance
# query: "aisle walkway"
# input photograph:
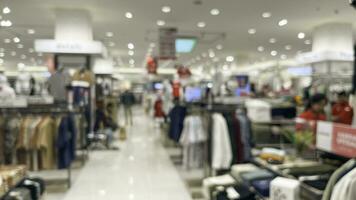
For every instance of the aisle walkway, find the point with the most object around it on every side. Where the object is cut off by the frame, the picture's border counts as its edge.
(141, 170)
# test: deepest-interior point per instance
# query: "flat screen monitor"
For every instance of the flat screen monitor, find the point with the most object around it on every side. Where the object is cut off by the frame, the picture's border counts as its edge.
(193, 94)
(185, 45)
(243, 88)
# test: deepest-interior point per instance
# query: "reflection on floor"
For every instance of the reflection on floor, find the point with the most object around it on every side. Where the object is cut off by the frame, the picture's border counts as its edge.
(141, 170)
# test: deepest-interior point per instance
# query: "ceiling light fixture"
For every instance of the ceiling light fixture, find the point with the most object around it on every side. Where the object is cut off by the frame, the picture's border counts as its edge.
(260, 48)
(20, 46)
(132, 61)
(31, 31)
(301, 35)
(130, 46)
(201, 24)
(283, 56)
(219, 47)
(131, 53)
(23, 56)
(2, 55)
(283, 22)
(230, 58)
(1, 61)
(31, 50)
(273, 40)
(166, 9)
(5, 23)
(307, 42)
(288, 47)
(274, 53)
(128, 15)
(161, 23)
(215, 11)
(6, 10)
(211, 54)
(16, 40)
(266, 15)
(252, 31)
(20, 66)
(109, 34)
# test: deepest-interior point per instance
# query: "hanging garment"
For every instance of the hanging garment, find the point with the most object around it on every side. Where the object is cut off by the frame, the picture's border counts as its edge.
(245, 130)
(63, 144)
(45, 143)
(221, 145)
(177, 116)
(345, 188)
(335, 177)
(57, 86)
(84, 75)
(192, 139)
(12, 129)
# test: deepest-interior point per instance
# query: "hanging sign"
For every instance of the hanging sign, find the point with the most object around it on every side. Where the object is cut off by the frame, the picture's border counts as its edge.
(336, 138)
(167, 43)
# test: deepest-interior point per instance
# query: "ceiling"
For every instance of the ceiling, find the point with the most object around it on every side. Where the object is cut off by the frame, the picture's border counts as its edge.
(229, 29)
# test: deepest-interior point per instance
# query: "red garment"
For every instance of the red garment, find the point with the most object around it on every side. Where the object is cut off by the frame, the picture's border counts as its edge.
(176, 89)
(343, 112)
(159, 109)
(311, 118)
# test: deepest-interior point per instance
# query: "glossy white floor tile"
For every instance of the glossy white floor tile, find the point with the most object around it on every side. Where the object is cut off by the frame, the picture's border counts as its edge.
(141, 170)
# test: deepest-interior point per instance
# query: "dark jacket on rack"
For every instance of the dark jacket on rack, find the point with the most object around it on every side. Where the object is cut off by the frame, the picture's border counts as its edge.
(66, 142)
(176, 117)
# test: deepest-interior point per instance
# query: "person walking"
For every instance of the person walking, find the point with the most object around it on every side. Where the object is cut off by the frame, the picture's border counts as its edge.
(127, 100)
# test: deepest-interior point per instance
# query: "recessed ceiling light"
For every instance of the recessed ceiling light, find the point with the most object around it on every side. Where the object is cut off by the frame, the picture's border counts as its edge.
(20, 46)
(16, 40)
(201, 24)
(131, 53)
(230, 58)
(166, 9)
(31, 50)
(283, 56)
(307, 42)
(111, 44)
(132, 61)
(260, 48)
(215, 11)
(6, 10)
(274, 53)
(273, 40)
(1, 61)
(31, 31)
(109, 34)
(13, 53)
(5, 23)
(252, 31)
(301, 35)
(128, 15)
(288, 47)
(130, 46)
(20, 66)
(283, 22)
(23, 56)
(161, 23)
(211, 54)
(266, 15)
(2, 55)
(219, 47)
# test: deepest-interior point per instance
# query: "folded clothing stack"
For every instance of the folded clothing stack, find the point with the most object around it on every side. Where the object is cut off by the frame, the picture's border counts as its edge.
(27, 189)
(236, 192)
(272, 155)
(12, 175)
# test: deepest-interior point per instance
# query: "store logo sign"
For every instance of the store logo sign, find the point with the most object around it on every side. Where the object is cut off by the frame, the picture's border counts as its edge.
(54, 46)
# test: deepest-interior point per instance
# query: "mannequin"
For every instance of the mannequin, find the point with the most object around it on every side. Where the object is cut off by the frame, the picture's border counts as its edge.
(6, 92)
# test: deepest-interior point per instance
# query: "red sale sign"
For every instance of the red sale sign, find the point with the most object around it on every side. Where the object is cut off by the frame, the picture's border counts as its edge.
(336, 138)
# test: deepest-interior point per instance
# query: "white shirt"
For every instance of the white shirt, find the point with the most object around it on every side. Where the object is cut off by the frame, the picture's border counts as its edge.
(221, 146)
(345, 189)
(193, 131)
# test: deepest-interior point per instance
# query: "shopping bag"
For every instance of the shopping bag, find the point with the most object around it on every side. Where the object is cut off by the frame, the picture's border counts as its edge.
(122, 133)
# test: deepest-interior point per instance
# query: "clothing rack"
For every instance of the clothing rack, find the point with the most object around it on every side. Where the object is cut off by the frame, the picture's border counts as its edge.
(51, 109)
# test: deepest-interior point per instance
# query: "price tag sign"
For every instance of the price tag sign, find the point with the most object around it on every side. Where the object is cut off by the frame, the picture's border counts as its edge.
(337, 138)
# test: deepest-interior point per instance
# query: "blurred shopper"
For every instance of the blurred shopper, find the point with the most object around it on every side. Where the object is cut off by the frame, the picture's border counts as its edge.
(315, 108)
(128, 100)
(342, 112)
